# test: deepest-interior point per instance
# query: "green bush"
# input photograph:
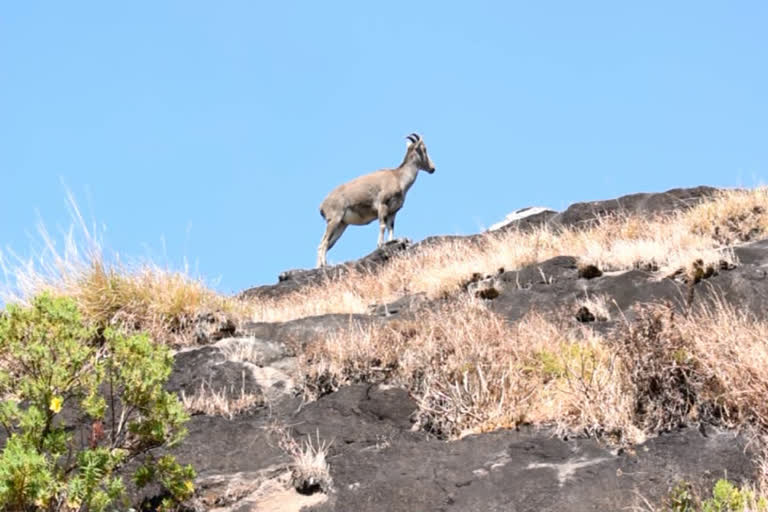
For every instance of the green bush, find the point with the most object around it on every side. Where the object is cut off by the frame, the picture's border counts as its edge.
(726, 497)
(76, 405)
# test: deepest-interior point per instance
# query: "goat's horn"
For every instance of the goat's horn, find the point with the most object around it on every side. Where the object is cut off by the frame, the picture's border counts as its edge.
(414, 137)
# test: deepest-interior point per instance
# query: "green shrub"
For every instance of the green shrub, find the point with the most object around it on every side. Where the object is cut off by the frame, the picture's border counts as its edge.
(76, 405)
(726, 497)
(567, 358)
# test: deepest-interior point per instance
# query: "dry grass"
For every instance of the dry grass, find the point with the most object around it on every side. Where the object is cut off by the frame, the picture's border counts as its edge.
(220, 403)
(162, 302)
(598, 305)
(309, 461)
(666, 244)
(735, 216)
(141, 296)
(715, 361)
(470, 371)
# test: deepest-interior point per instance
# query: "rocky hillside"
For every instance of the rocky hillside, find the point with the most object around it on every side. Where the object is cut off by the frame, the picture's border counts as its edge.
(595, 380)
(611, 356)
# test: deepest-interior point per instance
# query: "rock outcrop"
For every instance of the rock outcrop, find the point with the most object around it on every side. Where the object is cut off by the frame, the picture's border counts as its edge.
(380, 461)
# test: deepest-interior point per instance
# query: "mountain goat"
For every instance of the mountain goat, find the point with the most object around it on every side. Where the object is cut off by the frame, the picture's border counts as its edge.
(378, 195)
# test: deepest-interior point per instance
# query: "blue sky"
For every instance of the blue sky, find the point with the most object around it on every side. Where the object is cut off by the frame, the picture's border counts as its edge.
(211, 131)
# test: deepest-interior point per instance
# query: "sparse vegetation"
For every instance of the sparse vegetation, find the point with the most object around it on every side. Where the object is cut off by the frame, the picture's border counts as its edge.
(726, 497)
(227, 403)
(598, 305)
(76, 406)
(708, 365)
(309, 470)
(472, 371)
(142, 297)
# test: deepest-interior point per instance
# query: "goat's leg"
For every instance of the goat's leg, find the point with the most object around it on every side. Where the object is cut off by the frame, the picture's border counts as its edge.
(382, 224)
(336, 234)
(391, 227)
(323, 248)
(382, 229)
(332, 233)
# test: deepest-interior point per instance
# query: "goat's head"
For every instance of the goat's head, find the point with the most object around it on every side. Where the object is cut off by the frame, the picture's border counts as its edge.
(417, 147)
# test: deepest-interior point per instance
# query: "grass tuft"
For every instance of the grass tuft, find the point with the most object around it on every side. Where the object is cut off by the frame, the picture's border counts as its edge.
(145, 296)
(220, 403)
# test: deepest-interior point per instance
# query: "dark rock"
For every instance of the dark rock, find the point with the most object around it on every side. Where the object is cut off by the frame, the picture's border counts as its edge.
(636, 287)
(529, 470)
(409, 303)
(217, 445)
(383, 254)
(379, 460)
(205, 366)
(213, 326)
(755, 253)
(559, 268)
(554, 284)
(488, 293)
(645, 204)
(744, 287)
(361, 414)
(291, 280)
(589, 271)
(584, 315)
(586, 213)
(487, 287)
(378, 463)
(235, 366)
(304, 330)
(431, 241)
